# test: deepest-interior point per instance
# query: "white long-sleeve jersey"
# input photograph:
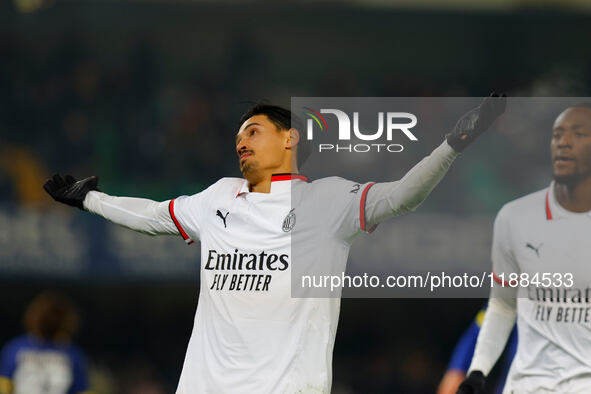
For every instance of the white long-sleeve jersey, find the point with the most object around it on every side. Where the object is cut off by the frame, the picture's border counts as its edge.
(250, 334)
(541, 254)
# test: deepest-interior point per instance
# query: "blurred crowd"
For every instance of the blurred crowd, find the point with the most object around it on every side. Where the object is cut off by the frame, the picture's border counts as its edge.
(133, 338)
(64, 112)
(136, 114)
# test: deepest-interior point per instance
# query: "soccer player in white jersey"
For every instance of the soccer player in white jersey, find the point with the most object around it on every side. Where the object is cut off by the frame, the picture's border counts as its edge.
(249, 334)
(546, 233)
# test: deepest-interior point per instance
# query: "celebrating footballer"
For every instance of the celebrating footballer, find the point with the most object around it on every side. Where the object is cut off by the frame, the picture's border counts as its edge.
(249, 334)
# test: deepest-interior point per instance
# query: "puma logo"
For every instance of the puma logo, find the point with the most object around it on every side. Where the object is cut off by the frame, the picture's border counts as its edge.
(219, 213)
(535, 249)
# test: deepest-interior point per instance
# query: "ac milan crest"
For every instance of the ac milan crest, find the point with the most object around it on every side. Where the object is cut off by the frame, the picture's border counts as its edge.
(289, 221)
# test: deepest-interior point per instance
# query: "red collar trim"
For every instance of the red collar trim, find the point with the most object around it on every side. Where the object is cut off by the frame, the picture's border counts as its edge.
(288, 176)
(281, 177)
(548, 211)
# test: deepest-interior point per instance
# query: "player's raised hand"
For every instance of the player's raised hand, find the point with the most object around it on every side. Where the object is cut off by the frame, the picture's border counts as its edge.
(473, 384)
(477, 121)
(68, 190)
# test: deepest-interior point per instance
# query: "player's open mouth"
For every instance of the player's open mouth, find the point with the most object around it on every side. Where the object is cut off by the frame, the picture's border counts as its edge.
(244, 155)
(562, 159)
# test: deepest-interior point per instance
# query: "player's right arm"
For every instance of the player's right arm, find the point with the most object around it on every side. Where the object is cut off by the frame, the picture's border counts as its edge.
(501, 312)
(139, 214)
(494, 333)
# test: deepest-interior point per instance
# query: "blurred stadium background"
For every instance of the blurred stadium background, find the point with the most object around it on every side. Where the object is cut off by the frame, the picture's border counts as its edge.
(147, 94)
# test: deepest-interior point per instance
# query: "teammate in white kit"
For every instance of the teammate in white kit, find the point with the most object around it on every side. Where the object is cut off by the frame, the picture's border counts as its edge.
(249, 334)
(546, 233)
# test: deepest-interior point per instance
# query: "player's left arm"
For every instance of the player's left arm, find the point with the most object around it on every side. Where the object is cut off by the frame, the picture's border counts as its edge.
(388, 199)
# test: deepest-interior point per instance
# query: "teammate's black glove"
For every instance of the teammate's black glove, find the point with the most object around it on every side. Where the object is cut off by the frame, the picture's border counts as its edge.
(68, 190)
(473, 384)
(476, 121)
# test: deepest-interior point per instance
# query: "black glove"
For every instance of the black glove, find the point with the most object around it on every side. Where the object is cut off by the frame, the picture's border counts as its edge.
(476, 121)
(473, 384)
(69, 191)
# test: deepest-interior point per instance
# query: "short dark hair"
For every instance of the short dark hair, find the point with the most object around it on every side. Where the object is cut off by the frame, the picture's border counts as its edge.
(51, 316)
(283, 119)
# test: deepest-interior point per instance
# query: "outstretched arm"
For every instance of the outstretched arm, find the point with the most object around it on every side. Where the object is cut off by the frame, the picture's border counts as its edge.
(388, 199)
(385, 200)
(139, 214)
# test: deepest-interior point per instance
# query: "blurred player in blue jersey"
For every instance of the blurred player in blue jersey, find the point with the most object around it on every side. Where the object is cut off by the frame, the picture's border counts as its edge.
(462, 357)
(44, 361)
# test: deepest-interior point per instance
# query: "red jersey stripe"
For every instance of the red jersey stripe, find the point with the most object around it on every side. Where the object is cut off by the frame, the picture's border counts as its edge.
(548, 211)
(187, 239)
(503, 282)
(362, 223)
